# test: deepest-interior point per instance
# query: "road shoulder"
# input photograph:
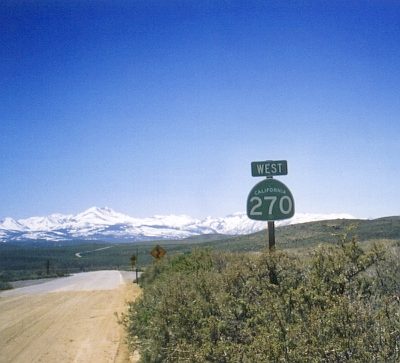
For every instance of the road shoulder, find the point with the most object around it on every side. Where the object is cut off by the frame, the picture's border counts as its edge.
(67, 326)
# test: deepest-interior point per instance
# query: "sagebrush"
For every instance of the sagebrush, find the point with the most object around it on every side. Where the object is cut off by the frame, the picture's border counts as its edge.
(342, 304)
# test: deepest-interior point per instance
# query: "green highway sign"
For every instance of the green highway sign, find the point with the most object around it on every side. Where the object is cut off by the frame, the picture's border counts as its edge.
(269, 168)
(270, 200)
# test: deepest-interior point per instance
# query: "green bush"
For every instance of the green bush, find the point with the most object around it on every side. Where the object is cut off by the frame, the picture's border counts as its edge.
(4, 285)
(340, 305)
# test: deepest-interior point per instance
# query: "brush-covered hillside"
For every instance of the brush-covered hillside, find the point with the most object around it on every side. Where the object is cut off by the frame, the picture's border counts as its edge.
(34, 259)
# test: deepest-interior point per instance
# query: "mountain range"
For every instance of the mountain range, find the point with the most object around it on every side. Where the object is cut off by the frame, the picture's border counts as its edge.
(108, 225)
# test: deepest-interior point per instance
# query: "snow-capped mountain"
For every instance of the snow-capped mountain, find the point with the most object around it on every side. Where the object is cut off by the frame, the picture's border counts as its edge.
(106, 224)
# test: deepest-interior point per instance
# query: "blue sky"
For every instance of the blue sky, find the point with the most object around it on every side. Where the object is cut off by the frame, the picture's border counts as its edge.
(159, 107)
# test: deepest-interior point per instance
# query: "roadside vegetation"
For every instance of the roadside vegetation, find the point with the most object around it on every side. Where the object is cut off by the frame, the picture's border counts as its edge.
(339, 303)
(4, 285)
(38, 259)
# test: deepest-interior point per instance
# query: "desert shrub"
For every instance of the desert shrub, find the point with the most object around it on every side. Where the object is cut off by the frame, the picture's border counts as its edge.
(5, 285)
(340, 305)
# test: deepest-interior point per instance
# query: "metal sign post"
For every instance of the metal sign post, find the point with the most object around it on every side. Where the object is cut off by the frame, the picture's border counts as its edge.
(136, 269)
(134, 260)
(270, 200)
(271, 235)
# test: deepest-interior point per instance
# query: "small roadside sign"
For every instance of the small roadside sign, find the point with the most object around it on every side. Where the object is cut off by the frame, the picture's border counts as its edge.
(269, 168)
(158, 252)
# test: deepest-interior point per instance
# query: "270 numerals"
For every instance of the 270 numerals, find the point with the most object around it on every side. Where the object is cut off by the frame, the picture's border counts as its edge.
(285, 205)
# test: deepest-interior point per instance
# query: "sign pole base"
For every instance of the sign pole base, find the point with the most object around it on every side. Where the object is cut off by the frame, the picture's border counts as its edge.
(271, 236)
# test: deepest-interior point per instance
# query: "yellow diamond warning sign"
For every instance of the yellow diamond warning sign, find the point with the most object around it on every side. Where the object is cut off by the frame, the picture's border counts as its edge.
(158, 252)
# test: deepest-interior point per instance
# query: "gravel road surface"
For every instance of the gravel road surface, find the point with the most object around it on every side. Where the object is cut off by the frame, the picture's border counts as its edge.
(71, 319)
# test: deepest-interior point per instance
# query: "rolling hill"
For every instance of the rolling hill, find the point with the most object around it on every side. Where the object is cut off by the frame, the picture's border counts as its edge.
(23, 259)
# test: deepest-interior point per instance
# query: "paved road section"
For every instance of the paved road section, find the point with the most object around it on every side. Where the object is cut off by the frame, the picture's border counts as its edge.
(85, 281)
(73, 319)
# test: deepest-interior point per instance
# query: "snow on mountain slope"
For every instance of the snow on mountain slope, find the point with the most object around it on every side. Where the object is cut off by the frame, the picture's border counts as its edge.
(106, 224)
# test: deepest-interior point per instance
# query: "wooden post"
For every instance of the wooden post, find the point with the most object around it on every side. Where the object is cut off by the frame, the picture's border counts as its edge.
(137, 257)
(271, 236)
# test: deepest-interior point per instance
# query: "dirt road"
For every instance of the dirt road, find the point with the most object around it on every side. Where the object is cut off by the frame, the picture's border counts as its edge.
(70, 320)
